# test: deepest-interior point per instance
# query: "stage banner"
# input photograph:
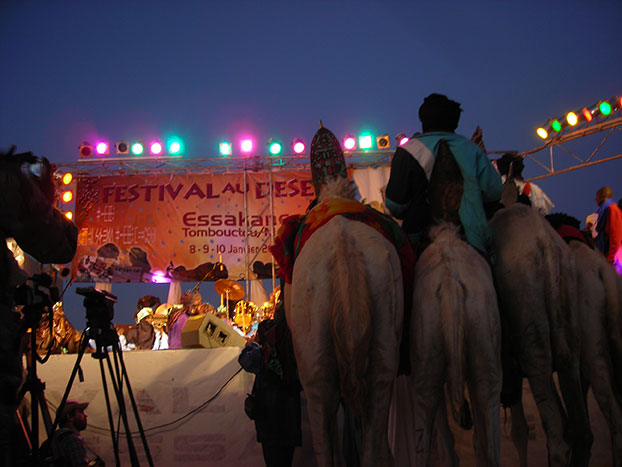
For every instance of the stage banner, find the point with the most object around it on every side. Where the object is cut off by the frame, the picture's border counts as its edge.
(157, 228)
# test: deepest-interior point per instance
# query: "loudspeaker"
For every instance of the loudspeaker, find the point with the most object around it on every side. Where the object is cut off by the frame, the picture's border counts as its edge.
(210, 332)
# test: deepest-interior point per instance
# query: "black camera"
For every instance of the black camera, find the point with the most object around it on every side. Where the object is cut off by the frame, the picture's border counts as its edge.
(99, 306)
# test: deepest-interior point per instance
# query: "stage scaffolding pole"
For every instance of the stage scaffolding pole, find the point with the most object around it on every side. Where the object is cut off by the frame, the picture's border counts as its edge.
(272, 232)
(248, 289)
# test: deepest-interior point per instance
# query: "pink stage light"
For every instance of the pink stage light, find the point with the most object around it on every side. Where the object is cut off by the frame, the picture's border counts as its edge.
(299, 147)
(159, 277)
(246, 146)
(101, 148)
(349, 143)
(155, 148)
(404, 140)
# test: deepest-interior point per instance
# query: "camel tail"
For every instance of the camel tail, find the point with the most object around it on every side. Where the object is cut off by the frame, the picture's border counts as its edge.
(350, 318)
(453, 314)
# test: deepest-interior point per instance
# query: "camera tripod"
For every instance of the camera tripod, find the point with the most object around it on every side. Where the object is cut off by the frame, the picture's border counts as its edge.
(106, 342)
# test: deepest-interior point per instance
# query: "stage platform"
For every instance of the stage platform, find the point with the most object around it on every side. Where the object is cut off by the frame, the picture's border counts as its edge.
(191, 407)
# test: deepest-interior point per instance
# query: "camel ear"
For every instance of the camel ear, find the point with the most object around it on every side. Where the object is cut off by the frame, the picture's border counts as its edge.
(446, 187)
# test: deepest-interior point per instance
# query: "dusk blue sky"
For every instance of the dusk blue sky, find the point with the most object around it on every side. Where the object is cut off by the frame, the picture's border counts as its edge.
(208, 70)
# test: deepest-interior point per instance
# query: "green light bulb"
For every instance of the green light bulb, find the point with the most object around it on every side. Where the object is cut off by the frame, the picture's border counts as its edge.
(556, 125)
(605, 108)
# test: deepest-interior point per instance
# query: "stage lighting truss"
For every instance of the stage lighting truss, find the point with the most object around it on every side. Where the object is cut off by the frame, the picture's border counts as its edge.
(603, 117)
(581, 118)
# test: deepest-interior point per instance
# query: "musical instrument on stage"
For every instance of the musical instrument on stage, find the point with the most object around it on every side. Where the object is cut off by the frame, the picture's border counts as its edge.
(245, 315)
(230, 289)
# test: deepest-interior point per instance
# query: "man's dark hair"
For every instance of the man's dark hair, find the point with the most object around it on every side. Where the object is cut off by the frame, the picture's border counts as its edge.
(503, 164)
(438, 113)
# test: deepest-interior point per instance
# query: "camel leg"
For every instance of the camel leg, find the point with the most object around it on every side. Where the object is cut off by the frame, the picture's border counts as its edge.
(598, 373)
(374, 431)
(578, 427)
(520, 431)
(536, 361)
(484, 394)
(445, 443)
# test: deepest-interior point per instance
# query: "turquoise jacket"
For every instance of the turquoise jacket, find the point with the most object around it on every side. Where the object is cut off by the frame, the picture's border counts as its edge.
(411, 169)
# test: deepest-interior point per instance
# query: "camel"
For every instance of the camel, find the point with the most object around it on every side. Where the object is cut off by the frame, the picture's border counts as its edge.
(535, 276)
(600, 319)
(456, 340)
(345, 311)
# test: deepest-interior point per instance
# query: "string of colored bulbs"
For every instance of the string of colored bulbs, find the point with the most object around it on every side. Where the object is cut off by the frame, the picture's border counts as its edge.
(174, 147)
(601, 109)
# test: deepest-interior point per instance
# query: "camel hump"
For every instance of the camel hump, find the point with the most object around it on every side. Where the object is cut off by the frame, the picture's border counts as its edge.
(446, 186)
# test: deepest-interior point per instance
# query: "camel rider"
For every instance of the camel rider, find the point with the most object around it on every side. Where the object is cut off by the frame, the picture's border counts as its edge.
(407, 194)
(511, 165)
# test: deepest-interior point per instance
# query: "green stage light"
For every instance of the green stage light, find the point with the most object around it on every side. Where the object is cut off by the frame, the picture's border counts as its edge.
(605, 108)
(556, 125)
(175, 146)
(224, 147)
(138, 148)
(274, 147)
(365, 142)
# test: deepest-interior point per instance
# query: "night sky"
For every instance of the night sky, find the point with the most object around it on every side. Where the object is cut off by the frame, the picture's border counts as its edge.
(208, 70)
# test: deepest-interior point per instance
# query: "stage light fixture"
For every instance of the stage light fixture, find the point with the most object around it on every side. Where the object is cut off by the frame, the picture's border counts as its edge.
(122, 147)
(298, 146)
(101, 148)
(155, 148)
(86, 150)
(572, 118)
(587, 114)
(246, 145)
(542, 133)
(383, 142)
(175, 146)
(225, 149)
(138, 148)
(402, 139)
(556, 125)
(69, 215)
(67, 196)
(274, 147)
(605, 108)
(365, 142)
(67, 178)
(349, 143)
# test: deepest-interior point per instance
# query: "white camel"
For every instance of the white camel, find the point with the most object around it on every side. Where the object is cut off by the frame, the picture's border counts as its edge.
(536, 283)
(600, 319)
(345, 311)
(455, 340)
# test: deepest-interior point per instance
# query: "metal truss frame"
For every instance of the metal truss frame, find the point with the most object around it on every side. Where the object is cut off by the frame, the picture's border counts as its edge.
(609, 125)
(118, 166)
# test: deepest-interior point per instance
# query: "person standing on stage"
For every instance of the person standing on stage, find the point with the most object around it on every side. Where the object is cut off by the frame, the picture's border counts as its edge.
(412, 167)
(609, 224)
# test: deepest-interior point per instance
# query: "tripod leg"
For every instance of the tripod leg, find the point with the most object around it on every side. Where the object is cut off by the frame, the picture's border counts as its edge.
(115, 443)
(74, 372)
(135, 409)
(121, 404)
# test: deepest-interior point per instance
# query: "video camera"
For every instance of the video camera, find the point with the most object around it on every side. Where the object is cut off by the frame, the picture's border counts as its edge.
(35, 295)
(99, 306)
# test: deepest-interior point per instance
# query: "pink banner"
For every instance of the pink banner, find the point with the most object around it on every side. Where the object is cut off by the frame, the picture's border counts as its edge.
(143, 228)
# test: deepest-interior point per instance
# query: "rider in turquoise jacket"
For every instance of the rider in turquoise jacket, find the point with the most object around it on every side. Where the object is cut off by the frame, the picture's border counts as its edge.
(412, 166)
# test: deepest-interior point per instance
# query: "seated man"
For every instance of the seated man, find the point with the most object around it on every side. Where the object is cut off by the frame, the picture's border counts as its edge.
(412, 167)
(67, 442)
